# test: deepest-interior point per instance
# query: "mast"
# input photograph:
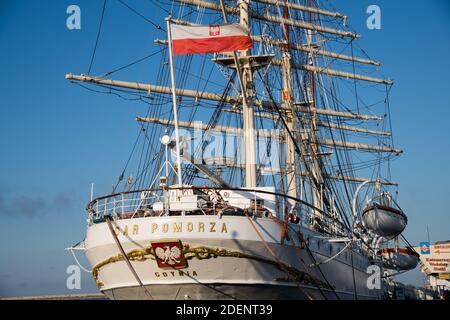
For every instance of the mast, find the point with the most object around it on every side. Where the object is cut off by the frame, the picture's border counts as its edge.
(174, 104)
(317, 186)
(291, 180)
(311, 73)
(247, 104)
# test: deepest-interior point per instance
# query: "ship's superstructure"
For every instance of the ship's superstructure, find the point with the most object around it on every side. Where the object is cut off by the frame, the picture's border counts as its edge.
(264, 172)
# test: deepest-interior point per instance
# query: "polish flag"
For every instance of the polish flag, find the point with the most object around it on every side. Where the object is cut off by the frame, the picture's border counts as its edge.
(209, 39)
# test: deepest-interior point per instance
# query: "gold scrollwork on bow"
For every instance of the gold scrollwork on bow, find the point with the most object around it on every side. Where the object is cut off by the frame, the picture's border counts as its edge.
(203, 252)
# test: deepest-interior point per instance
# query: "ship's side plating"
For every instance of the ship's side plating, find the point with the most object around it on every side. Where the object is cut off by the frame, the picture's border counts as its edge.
(226, 259)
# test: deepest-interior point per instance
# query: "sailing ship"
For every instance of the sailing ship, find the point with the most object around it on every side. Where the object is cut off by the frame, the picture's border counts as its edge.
(253, 164)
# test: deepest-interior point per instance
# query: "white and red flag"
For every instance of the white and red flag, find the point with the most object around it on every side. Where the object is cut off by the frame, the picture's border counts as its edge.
(209, 39)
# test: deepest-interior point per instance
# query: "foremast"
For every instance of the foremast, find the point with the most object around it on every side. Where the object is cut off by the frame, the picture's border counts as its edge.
(247, 102)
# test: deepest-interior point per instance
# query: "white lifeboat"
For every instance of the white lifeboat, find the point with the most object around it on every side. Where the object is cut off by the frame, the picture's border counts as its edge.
(399, 258)
(384, 220)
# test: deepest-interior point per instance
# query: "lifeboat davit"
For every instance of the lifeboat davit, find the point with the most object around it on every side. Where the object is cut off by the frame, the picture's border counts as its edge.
(399, 258)
(384, 220)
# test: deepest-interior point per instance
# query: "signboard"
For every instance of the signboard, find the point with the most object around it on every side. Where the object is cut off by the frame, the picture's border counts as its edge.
(424, 248)
(444, 276)
(435, 258)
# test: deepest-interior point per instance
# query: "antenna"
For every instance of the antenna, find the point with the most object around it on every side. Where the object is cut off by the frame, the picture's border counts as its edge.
(92, 191)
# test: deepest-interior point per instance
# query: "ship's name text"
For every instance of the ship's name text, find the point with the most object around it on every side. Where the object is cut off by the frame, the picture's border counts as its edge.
(176, 227)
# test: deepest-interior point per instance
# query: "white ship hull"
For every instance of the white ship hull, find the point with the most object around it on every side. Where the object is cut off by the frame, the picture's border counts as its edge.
(226, 259)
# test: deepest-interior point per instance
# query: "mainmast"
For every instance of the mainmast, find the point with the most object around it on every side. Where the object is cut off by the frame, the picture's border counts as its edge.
(247, 104)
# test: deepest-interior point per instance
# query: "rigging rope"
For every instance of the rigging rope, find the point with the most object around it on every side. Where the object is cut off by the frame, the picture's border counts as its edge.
(132, 63)
(142, 16)
(78, 263)
(108, 219)
(332, 257)
(98, 36)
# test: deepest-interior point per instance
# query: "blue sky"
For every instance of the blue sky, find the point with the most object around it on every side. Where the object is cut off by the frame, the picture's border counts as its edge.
(57, 138)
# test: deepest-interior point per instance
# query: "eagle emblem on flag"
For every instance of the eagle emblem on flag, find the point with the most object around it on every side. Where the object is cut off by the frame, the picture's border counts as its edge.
(169, 254)
(214, 30)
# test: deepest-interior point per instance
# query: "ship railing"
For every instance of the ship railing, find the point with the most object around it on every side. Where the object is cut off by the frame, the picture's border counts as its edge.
(139, 203)
(121, 205)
